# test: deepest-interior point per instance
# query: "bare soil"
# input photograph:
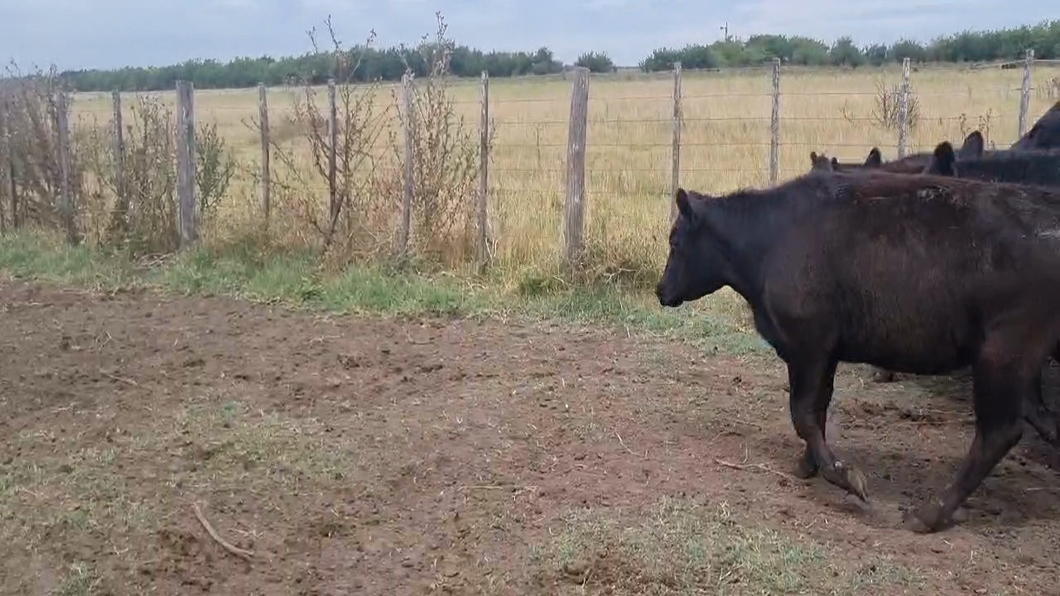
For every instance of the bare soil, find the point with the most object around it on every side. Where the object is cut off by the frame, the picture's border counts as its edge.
(374, 456)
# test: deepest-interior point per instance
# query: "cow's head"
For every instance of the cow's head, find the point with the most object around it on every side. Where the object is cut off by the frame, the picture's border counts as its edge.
(694, 267)
(943, 161)
(821, 162)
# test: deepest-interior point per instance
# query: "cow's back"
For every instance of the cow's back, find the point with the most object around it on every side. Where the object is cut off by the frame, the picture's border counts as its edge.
(895, 265)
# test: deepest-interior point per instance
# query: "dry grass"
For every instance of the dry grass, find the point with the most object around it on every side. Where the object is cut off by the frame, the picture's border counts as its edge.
(725, 145)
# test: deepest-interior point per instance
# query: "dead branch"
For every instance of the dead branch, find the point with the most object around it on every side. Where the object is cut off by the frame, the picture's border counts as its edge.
(235, 550)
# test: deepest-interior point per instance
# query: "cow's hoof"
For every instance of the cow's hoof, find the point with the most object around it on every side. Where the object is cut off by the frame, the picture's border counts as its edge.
(806, 467)
(923, 520)
(859, 484)
(849, 478)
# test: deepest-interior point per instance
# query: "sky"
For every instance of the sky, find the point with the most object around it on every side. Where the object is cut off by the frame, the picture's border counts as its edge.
(75, 34)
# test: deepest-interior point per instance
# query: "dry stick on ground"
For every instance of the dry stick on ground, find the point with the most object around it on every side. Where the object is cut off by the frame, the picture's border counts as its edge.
(762, 467)
(623, 443)
(120, 379)
(235, 550)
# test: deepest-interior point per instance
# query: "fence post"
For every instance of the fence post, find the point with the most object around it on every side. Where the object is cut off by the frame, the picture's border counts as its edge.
(774, 126)
(1025, 92)
(9, 158)
(266, 180)
(119, 153)
(333, 147)
(186, 191)
(5, 171)
(574, 212)
(675, 172)
(481, 240)
(903, 109)
(406, 190)
(67, 201)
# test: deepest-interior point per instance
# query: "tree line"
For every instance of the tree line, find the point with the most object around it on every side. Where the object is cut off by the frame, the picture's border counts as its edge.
(389, 64)
(968, 46)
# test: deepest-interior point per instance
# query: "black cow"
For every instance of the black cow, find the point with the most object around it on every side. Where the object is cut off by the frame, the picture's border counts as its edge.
(1041, 167)
(1045, 134)
(1022, 167)
(821, 162)
(918, 274)
(973, 147)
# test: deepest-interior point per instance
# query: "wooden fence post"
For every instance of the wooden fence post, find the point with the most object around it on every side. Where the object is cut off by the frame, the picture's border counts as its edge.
(67, 201)
(266, 180)
(774, 127)
(574, 212)
(675, 165)
(333, 148)
(5, 171)
(482, 239)
(406, 191)
(9, 158)
(186, 191)
(903, 109)
(1025, 92)
(119, 153)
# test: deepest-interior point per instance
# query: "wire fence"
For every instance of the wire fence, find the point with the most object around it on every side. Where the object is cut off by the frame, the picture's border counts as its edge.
(628, 144)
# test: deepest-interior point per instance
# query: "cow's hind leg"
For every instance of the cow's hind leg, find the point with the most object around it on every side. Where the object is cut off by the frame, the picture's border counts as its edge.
(1040, 417)
(999, 389)
(811, 382)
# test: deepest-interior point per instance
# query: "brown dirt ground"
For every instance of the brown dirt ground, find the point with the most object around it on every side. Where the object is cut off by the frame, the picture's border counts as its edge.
(374, 456)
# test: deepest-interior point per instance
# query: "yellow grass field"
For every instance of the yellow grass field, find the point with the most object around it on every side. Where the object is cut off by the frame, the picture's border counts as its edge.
(725, 141)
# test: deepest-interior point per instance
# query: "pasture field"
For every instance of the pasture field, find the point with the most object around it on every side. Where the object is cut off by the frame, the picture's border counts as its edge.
(725, 142)
(380, 433)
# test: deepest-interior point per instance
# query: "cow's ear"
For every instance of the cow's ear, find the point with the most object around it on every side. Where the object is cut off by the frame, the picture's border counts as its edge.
(973, 146)
(684, 206)
(874, 159)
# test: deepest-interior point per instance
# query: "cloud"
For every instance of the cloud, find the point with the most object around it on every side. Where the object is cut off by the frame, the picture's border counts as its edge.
(113, 33)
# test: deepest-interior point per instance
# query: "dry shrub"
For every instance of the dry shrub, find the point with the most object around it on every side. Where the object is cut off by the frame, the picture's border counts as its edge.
(141, 208)
(31, 101)
(345, 221)
(360, 218)
(138, 212)
(889, 103)
(445, 159)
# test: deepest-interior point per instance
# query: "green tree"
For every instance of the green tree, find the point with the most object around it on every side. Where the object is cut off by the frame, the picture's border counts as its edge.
(596, 62)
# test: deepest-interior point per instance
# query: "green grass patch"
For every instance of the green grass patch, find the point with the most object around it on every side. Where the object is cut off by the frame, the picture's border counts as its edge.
(680, 547)
(253, 272)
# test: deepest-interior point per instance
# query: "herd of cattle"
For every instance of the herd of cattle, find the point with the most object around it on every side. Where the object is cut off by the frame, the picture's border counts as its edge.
(924, 265)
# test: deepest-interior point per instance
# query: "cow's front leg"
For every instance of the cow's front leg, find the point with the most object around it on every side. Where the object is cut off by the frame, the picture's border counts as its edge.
(811, 382)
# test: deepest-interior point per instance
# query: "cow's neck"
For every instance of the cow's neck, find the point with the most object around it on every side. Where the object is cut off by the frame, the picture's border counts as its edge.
(746, 229)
